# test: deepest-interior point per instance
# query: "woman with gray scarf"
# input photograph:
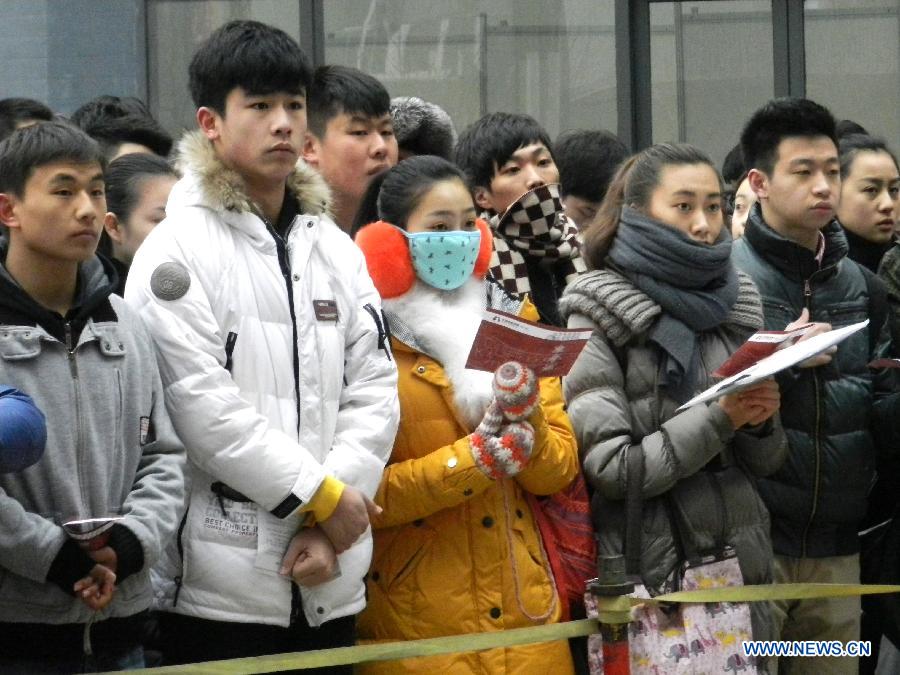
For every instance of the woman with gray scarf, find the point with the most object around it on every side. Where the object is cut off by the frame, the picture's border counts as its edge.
(668, 308)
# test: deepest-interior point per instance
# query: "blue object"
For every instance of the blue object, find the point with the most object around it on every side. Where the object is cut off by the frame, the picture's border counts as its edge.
(444, 260)
(23, 431)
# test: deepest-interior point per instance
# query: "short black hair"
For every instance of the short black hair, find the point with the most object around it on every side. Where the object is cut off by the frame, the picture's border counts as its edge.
(28, 149)
(14, 111)
(734, 166)
(111, 121)
(341, 89)
(394, 194)
(105, 107)
(258, 58)
(850, 128)
(587, 161)
(783, 118)
(489, 142)
(852, 144)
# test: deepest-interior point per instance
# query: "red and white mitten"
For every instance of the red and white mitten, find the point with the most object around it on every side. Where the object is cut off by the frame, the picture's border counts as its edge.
(516, 390)
(512, 447)
(480, 441)
(502, 451)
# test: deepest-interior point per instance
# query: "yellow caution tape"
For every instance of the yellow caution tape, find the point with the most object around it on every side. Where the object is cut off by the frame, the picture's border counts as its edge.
(775, 592)
(387, 651)
(612, 609)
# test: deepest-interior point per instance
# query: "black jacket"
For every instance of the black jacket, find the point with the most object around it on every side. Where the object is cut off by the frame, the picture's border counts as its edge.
(831, 414)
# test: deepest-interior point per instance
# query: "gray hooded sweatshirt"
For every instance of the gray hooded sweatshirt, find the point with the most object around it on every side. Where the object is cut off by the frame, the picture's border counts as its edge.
(110, 450)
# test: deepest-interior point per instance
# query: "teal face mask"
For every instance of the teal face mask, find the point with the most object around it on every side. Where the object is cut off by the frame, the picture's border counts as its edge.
(444, 259)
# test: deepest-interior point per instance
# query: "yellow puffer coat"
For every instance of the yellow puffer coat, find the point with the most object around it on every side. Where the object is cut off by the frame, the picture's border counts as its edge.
(456, 552)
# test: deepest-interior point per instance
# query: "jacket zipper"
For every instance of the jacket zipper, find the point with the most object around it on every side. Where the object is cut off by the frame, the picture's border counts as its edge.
(79, 422)
(281, 249)
(807, 295)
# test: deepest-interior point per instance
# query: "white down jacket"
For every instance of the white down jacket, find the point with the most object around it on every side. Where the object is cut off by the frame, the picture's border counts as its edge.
(274, 378)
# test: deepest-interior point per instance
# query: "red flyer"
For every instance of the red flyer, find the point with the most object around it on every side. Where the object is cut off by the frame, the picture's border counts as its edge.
(547, 350)
(760, 345)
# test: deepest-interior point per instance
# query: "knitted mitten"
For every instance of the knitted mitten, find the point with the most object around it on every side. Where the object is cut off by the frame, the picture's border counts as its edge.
(516, 390)
(512, 448)
(480, 441)
(500, 451)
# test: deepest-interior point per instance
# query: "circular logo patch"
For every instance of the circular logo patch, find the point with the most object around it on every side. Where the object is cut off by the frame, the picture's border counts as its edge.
(170, 281)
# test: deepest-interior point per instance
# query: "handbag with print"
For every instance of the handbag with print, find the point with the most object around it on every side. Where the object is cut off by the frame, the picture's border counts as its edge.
(680, 639)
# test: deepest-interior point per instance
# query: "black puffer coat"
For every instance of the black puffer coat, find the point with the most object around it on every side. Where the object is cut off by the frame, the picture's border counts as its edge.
(831, 414)
(695, 458)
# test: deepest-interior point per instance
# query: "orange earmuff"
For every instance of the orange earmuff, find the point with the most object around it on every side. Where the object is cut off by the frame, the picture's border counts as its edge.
(388, 261)
(483, 261)
(387, 258)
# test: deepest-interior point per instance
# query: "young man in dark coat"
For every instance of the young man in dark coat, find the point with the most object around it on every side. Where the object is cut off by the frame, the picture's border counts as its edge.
(834, 410)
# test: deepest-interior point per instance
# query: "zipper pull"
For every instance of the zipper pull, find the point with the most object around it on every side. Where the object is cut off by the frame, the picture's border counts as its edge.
(86, 647)
(807, 292)
(69, 345)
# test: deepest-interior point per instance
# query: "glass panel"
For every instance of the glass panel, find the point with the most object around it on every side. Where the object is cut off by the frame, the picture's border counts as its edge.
(176, 28)
(853, 61)
(62, 54)
(711, 68)
(554, 60)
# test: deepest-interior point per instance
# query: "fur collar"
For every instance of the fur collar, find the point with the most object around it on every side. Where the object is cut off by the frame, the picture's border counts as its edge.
(223, 188)
(443, 324)
(622, 311)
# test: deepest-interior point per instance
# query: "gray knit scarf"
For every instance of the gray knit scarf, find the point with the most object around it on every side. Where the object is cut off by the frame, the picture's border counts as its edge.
(694, 283)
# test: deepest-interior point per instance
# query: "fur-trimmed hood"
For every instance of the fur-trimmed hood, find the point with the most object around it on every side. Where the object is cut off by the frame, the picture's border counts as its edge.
(222, 188)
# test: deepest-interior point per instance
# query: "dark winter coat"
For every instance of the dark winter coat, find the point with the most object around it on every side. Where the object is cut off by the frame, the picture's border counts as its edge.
(833, 413)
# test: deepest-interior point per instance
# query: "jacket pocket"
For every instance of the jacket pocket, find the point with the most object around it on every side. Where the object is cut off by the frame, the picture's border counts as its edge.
(526, 532)
(398, 559)
(777, 314)
(846, 313)
(530, 567)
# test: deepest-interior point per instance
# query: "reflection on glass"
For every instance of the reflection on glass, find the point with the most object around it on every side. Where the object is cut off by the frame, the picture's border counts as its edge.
(852, 61)
(554, 60)
(711, 68)
(176, 28)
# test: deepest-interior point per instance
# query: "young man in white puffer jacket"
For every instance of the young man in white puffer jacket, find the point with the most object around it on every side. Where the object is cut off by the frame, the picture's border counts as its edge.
(277, 369)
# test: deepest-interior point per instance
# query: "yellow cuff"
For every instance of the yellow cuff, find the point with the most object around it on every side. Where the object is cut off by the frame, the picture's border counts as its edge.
(325, 501)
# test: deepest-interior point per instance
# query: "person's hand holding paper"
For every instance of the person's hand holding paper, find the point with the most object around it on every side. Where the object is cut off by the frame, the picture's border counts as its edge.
(817, 328)
(803, 351)
(752, 406)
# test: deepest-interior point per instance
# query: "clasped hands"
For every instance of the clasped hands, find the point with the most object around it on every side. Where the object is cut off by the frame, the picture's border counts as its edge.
(311, 557)
(502, 443)
(97, 588)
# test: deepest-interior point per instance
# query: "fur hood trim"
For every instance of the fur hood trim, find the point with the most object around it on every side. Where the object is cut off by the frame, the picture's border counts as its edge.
(443, 325)
(223, 188)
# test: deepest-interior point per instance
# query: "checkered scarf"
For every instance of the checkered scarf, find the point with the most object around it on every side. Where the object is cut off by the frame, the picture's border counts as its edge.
(534, 225)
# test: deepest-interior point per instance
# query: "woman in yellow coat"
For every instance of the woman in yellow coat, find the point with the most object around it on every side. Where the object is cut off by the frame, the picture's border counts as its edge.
(457, 549)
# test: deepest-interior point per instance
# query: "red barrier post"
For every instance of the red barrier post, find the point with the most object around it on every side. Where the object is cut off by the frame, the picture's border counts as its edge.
(608, 589)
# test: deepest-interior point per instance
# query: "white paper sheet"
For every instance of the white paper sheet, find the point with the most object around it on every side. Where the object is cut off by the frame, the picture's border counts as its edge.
(780, 360)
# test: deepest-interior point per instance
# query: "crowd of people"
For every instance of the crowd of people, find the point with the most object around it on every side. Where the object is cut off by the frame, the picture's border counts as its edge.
(235, 413)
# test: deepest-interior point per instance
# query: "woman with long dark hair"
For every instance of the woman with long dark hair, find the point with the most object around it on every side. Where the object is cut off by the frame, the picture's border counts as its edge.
(668, 308)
